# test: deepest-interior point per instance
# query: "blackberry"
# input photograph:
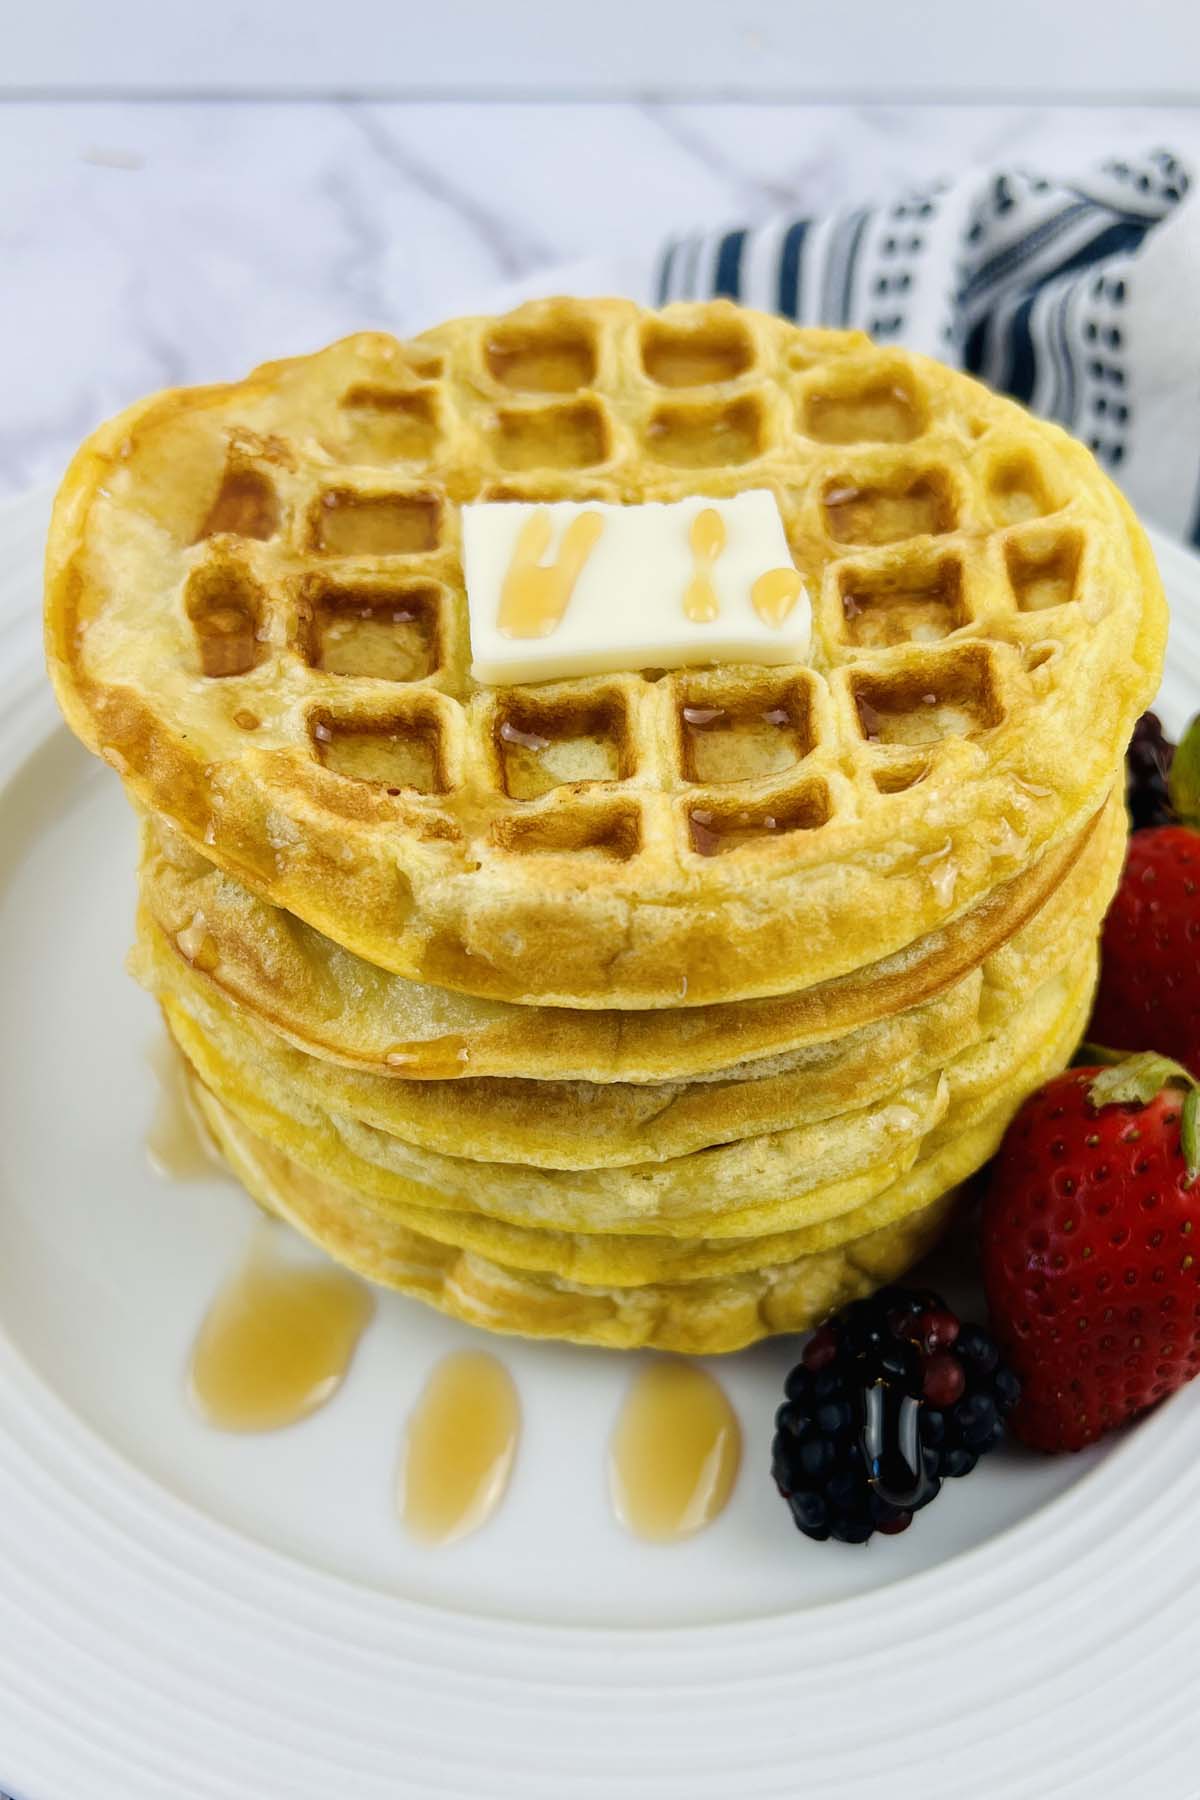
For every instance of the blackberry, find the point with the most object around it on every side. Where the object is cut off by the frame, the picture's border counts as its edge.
(891, 1397)
(1147, 767)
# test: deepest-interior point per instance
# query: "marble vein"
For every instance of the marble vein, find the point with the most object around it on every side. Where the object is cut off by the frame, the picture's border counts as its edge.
(512, 247)
(758, 194)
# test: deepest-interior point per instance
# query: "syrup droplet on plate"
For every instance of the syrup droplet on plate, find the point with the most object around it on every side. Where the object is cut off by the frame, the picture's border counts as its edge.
(675, 1452)
(178, 1143)
(459, 1447)
(277, 1340)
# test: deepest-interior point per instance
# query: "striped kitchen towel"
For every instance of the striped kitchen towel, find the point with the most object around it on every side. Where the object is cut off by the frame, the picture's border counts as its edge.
(1076, 296)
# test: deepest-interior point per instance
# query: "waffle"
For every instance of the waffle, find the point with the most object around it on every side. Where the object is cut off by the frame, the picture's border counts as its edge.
(694, 1318)
(733, 1207)
(255, 613)
(660, 1007)
(345, 1011)
(580, 1125)
(704, 1315)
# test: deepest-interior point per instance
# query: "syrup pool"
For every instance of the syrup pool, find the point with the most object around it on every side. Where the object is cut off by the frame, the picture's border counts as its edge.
(675, 1453)
(277, 1340)
(459, 1448)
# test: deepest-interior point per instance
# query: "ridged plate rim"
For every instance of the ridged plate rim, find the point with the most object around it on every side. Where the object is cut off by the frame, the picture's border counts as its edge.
(147, 1650)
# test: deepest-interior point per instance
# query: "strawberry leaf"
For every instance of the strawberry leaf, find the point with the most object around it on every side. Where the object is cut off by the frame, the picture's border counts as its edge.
(1087, 1054)
(1136, 1080)
(1184, 782)
(1189, 1132)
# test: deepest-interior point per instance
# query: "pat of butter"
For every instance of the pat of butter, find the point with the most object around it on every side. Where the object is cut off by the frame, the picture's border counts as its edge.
(588, 588)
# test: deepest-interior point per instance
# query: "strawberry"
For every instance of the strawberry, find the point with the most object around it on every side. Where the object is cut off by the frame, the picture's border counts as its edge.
(1149, 993)
(1091, 1248)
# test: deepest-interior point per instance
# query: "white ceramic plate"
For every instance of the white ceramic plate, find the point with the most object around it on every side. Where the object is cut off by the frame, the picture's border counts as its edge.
(189, 1614)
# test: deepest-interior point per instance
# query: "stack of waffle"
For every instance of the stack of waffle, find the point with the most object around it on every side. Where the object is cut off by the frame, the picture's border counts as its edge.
(660, 1007)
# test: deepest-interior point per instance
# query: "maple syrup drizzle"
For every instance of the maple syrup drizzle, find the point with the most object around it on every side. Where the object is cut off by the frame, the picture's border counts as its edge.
(245, 505)
(870, 719)
(775, 593)
(198, 945)
(459, 1447)
(532, 741)
(440, 1059)
(276, 1341)
(178, 1143)
(534, 595)
(704, 718)
(675, 1452)
(707, 540)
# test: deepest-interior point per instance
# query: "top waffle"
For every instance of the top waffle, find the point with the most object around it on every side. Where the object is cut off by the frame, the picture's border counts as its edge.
(255, 612)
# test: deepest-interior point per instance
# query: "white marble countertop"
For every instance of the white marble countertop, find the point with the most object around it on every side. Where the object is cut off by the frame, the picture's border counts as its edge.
(151, 243)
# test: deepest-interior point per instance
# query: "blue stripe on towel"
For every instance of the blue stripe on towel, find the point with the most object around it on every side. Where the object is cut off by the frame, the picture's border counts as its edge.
(1020, 369)
(727, 281)
(791, 255)
(1003, 262)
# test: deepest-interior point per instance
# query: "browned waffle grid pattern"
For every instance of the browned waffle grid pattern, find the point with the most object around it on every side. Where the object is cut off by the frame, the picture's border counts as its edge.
(944, 566)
